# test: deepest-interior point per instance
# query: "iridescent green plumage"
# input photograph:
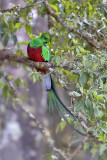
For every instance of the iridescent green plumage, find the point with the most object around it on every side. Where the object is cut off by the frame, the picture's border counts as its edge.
(45, 53)
(42, 41)
(36, 43)
(54, 101)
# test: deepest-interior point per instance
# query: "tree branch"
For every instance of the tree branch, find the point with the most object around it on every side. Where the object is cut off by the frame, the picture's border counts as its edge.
(6, 55)
(19, 8)
(87, 36)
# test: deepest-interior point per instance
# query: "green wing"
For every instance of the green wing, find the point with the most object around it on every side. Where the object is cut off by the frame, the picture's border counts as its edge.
(36, 43)
(45, 53)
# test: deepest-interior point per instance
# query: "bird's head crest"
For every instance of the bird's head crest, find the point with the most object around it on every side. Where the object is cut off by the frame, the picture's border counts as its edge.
(46, 37)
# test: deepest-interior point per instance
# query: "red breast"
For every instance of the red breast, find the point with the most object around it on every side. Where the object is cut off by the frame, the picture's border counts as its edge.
(35, 54)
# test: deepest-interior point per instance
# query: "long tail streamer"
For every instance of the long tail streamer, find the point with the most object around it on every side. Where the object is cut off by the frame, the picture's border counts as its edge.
(54, 101)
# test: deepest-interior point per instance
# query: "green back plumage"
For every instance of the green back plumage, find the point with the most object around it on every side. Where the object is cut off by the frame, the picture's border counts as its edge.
(36, 43)
(44, 38)
(45, 53)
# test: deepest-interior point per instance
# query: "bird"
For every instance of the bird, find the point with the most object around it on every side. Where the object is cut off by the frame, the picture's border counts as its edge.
(38, 51)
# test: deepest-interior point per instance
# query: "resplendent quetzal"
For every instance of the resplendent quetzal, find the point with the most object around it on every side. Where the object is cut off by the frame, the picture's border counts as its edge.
(38, 51)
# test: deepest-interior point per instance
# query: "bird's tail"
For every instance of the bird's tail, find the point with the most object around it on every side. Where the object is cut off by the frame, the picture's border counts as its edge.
(54, 101)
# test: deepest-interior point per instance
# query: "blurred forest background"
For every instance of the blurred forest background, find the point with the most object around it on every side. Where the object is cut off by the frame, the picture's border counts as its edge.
(79, 57)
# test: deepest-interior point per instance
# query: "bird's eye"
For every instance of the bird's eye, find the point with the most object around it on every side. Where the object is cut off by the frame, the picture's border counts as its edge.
(45, 38)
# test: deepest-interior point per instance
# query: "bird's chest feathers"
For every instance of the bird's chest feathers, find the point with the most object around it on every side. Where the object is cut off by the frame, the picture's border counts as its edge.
(35, 53)
(40, 54)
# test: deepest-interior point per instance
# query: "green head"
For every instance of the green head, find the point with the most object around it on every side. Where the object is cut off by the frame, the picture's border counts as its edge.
(45, 37)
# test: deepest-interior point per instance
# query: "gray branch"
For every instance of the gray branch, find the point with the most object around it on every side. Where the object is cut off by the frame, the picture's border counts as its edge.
(6, 55)
(87, 36)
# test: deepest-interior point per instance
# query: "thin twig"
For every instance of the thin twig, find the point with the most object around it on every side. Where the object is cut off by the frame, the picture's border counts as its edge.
(19, 8)
(77, 150)
(102, 20)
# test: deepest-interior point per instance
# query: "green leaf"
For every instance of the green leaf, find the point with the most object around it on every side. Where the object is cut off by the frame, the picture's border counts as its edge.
(104, 156)
(5, 40)
(61, 125)
(94, 150)
(100, 96)
(34, 78)
(10, 77)
(103, 128)
(88, 103)
(31, 2)
(30, 18)
(102, 148)
(76, 94)
(28, 28)
(86, 146)
(1, 28)
(32, 36)
(103, 76)
(101, 83)
(54, 7)
(1, 75)
(106, 105)
(17, 82)
(58, 60)
(90, 7)
(5, 92)
(98, 112)
(24, 43)
(78, 105)
(81, 89)
(84, 77)
(105, 54)
(17, 25)
(1, 84)
(14, 38)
